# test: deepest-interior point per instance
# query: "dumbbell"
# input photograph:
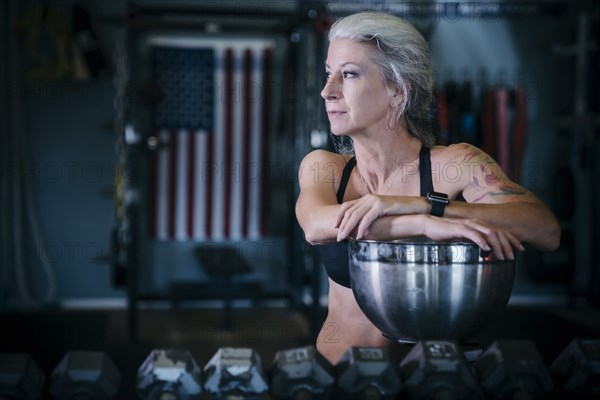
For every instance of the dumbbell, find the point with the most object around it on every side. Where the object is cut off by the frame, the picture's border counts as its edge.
(435, 369)
(367, 373)
(85, 375)
(169, 374)
(235, 373)
(301, 373)
(513, 369)
(576, 370)
(20, 377)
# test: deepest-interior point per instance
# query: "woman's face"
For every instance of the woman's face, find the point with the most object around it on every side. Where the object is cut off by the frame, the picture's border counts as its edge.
(356, 97)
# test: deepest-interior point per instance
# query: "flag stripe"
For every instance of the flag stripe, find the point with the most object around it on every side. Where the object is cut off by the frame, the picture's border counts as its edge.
(228, 122)
(183, 139)
(253, 167)
(264, 133)
(172, 182)
(209, 177)
(218, 186)
(246, 137)
(233, 170)
(198, 147)
(191, 182)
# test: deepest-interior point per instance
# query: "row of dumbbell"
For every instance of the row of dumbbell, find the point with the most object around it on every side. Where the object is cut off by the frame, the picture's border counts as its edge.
(430, 370)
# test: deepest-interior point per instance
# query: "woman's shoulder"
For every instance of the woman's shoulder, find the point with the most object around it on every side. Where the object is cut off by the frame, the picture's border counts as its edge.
(326, 157)
(322, 166)
(458, 152)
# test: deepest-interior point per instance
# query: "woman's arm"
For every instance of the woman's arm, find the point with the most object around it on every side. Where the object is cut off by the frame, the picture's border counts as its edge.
(531, 222)
(492, 200)
(316, 206)
(488, 237)
(496, 200)
(317, 209)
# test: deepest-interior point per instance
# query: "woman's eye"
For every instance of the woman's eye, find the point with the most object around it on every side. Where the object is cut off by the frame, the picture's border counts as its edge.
(327, 75)
(349, 74)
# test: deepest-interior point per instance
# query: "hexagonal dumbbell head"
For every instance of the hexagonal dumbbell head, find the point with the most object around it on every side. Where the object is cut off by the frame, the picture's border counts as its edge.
(20, 377)
(576, 370)
(169, 374)
(510, 368)
(301, 373)
(438, 369)
(86, 375)
(367, 373)
(235, 373)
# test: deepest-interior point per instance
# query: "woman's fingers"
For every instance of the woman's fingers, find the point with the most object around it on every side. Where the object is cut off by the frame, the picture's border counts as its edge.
(356, 214)
(349, 221)
(342, 212)
(494, 238)
(516, 242)
(504, 244)
(500, 242)
(365, 223)
(500, 250)
(510, 244)
(477, 238)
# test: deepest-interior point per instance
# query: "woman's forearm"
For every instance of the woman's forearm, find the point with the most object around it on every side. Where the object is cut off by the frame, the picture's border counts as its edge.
(396, 227)
(531, 222)
(317, 223)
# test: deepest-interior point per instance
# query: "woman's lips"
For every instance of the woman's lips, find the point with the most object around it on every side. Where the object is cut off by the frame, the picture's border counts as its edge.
(335, 113)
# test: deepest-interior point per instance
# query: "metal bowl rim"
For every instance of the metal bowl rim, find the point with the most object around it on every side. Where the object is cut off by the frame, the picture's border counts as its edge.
(417, 240)
(398, 244)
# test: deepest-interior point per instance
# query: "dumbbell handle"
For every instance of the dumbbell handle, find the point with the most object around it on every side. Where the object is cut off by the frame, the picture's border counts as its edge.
(235, 396)
(443, 393)
(303, 394)
(522, 395)
(82, 396)
(167, 396)
(371, 393)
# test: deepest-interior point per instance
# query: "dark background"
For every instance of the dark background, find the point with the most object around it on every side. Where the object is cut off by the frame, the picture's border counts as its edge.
(65, 283)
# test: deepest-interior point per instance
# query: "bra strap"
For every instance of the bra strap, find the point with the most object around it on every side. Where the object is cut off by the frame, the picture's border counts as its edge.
(345, 178)
(425, 171)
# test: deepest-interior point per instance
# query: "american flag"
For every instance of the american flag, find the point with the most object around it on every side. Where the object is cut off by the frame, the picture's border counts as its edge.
(208, 183)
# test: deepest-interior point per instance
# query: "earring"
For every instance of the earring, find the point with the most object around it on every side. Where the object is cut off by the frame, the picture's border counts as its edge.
(391, 122)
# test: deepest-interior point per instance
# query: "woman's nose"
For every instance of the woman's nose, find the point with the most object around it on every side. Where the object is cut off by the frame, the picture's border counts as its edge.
(330, 91)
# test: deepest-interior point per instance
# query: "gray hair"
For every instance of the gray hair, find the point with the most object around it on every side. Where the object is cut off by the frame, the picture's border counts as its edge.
(403, 56)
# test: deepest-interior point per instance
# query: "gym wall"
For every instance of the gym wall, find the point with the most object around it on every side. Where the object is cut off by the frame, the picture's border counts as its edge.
(59, 216)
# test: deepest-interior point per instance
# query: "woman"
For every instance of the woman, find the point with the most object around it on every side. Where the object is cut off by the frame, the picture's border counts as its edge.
(396, 183)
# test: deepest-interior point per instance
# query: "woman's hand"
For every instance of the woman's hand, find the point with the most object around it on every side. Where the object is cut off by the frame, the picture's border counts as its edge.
(355, 218)
(358, 215)
(489, 238)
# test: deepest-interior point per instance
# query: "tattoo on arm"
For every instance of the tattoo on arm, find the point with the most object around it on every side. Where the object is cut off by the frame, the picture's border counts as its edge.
(507, 190)
(492, 175)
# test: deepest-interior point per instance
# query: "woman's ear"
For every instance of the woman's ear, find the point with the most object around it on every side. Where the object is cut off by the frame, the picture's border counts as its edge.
(396, 98)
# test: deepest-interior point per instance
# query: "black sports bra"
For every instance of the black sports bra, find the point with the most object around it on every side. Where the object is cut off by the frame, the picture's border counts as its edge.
(335, 255)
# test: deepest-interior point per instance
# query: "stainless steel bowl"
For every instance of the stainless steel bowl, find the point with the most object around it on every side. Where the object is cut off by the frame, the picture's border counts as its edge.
(413, 289)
